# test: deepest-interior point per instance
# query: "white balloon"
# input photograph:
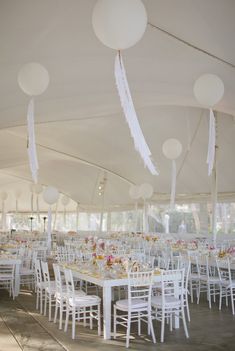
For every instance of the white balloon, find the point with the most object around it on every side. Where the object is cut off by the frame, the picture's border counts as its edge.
(33, 79)
(65, 200)
(208, 90)
(119, 24)
(146, 191)
(134, 192)
(172, 149)
(38, 188)
(4, 195)
(50, 195)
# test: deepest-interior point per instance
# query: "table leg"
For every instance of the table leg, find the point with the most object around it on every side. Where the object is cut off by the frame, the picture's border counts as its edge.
(107, 311)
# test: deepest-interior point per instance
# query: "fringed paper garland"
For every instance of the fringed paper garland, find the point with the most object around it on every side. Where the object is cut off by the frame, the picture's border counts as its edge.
(130, 114)
(173, 185)
(211, 143)
(31, 147)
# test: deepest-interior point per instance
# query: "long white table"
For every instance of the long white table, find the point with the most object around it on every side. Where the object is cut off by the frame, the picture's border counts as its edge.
(17, 263)
(107, 285)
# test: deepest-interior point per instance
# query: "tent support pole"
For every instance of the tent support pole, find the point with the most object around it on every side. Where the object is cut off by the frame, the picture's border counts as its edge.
(214, 180)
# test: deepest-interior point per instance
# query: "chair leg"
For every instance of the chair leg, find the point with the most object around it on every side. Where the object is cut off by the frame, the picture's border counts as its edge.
(73, 323)
(99, 324)
(91, 318)
(162, 326)
(187, 308)
(45, 304)
(114, 322)
(184, 323)
(49, 308)
(220, 297)
(232, 300)
(56, 311)
(61, 314)
(128, 330)
(139, 325)
(150, 323)
(209, 294)
(66, 319)
(199, 292)
(41, 300)
(37, 299)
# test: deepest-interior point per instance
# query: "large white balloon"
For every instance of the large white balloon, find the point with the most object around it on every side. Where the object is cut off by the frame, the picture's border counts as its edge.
(208, 90)
(172, 149)
(4, 195)
(134, 192)
(50, 195)
(146, 191)
(119, 24)
(65, 200)
(33, 79)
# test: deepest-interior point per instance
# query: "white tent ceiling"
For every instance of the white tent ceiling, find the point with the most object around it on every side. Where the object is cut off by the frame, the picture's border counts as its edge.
(80, 128)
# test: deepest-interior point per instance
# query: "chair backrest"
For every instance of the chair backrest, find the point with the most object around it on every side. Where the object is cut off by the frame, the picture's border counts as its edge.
(38, 272)
(140, 287)
(45, 272)
(69, 283)
(224, 269)
(58, 279)
(7, 271)
(172, 284)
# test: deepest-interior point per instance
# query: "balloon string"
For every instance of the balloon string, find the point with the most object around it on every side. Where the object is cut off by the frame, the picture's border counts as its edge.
(31, 144)
(211, 143)
(173, 185)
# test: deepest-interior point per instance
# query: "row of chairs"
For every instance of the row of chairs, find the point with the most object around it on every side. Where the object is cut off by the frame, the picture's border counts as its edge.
(61, 294)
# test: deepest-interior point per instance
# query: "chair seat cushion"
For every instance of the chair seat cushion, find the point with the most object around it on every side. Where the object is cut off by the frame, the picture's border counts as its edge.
(135, 304)
(169, 301)
(78, 293)
(83, 301)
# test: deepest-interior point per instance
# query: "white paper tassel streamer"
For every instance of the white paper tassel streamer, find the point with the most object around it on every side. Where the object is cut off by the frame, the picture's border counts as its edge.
(130, 114)
(211, 143)
(32, 152)
(173, 184)
(49, 229)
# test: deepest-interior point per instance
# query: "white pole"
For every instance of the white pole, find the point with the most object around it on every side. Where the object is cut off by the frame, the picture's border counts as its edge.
(136, 216)
(214, 182)
(77, 216)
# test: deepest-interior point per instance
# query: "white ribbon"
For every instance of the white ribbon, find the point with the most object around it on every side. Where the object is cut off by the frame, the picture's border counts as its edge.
(130, 114)
(173, 184)
(211, 143)
(32, 152)
(49, 229)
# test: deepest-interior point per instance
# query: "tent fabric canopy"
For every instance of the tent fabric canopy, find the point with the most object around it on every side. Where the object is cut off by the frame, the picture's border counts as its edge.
(81, 132)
